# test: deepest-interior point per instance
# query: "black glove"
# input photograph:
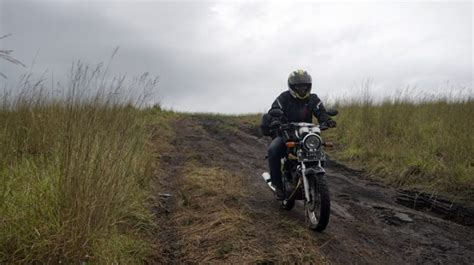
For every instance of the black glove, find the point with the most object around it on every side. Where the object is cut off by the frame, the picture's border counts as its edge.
(275, 124)
(331, 123)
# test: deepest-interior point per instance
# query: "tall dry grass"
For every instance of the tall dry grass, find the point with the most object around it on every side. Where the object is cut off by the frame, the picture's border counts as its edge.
(424, 143)
(75, 171)
(6, 55)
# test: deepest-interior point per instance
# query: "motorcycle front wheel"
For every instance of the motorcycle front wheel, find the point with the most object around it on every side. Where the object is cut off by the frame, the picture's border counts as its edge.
(319, 207)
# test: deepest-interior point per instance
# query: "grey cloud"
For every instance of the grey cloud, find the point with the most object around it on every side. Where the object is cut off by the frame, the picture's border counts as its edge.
(209, 55)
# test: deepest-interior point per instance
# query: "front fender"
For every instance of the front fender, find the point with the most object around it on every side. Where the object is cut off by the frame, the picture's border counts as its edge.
(315, 170)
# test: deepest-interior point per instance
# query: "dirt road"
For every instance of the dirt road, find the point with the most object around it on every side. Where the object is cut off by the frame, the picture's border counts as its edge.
(367, 225)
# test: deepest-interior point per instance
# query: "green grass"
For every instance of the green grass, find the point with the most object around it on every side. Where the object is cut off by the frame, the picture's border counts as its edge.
(75, 175)
(427, 145)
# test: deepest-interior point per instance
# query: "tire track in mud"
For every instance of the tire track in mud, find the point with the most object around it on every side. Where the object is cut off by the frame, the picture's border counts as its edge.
(172, 163)
(367, 226)
(375, 223)
(266, 235)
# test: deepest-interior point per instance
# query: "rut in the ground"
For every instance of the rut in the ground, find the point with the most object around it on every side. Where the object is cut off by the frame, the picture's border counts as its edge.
(245, 223)
(218, 212)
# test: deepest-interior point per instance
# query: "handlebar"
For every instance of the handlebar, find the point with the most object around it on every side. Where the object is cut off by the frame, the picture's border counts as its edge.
(292, 125)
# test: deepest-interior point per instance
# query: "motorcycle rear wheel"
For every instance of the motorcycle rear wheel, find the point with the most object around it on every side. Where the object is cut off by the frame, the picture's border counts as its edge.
(317, 210)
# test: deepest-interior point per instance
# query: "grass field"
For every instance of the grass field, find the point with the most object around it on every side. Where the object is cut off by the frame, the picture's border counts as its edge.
(427, 145)
(75, 174)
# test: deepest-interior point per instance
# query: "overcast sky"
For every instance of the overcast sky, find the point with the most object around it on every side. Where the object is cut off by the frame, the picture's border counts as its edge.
(235, 57)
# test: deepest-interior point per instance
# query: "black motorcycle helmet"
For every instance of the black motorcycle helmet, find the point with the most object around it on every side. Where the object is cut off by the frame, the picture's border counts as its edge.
(299, 84)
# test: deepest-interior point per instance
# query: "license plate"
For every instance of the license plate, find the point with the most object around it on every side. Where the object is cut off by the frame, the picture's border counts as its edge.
(305, 156)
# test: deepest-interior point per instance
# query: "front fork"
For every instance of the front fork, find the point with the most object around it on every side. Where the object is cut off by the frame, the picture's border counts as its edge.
(304, 172)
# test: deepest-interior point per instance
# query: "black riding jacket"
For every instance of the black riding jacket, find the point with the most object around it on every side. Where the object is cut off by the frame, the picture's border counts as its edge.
(301, 110)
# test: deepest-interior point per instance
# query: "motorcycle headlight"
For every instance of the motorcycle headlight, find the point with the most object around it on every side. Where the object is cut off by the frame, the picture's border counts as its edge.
(312, 142)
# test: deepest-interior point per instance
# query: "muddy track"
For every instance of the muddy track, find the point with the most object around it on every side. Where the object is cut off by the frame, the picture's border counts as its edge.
(367, 225)
(171, 163)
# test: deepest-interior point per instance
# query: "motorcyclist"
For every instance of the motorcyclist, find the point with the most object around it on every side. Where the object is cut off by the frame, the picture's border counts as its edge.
(298, 105)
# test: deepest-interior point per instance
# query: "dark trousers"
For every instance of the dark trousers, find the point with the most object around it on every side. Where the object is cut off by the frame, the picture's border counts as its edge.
(276, 151)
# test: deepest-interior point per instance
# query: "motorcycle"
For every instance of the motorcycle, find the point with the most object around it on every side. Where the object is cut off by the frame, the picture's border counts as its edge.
(303, 174)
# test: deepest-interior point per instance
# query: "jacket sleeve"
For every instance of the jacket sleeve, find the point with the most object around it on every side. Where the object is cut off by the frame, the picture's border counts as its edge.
(279, 102)
(320, 111)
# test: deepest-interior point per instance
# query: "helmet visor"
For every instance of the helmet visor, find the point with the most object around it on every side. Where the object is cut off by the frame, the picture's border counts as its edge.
(302, 89)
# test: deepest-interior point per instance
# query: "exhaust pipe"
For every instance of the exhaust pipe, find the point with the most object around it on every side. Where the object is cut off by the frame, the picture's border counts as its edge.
(268, 180)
